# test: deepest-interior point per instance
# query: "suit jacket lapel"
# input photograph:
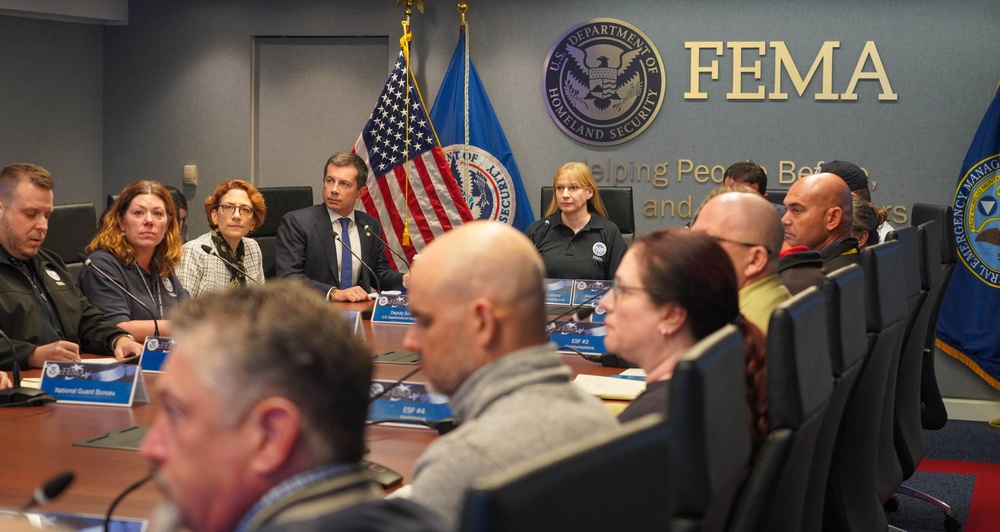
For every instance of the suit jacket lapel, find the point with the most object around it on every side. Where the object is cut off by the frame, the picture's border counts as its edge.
(324, 234)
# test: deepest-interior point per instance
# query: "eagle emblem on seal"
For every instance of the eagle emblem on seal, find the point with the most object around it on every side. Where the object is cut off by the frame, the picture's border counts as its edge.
(612, 76)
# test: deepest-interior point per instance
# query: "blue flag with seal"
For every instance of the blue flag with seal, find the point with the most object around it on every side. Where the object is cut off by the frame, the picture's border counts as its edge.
(967, 326)
(480, 157)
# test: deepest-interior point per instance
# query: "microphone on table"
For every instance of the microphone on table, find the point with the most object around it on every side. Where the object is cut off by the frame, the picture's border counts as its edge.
(52, 488)
(87, 262)
(19, 395)
(579, 313)
(211, 251)
(121, 496)
(605, 359)
(378, 285)
(369, 232)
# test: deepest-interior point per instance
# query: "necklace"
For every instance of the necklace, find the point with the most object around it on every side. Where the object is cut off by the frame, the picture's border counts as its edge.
(159, 301)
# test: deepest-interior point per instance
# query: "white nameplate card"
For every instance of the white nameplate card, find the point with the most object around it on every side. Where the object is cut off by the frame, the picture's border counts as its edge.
(407, 401)
(390, 307)
(154, 353)
(94, 384)
(558, 291)
(583, 336)
(589, 291)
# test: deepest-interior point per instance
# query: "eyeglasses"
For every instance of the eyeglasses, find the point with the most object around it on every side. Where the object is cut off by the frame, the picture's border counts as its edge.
(738, 243)
(228, 209)
(621, 290)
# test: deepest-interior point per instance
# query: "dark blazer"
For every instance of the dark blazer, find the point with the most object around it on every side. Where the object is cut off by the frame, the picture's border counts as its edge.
(305, 249)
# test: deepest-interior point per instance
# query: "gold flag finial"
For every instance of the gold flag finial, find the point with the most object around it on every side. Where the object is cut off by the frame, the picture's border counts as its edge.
(409, 6)
(409, 12)
(462, 8)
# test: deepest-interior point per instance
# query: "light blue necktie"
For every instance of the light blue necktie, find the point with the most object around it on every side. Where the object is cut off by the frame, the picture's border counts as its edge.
(346, 280)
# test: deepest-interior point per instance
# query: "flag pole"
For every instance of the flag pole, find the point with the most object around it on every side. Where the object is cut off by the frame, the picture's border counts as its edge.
(404, 43)
(463, 164)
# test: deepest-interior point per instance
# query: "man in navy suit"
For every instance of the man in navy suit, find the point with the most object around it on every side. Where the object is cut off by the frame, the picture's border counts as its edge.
(311, 241)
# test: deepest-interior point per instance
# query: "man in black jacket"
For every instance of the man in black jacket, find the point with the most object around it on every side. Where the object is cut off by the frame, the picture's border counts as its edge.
(820, 217)
(41, 308)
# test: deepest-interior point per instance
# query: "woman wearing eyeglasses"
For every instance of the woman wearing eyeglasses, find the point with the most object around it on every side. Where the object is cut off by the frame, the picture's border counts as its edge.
(575, 238)
(235, 209)
(133, 257)
(673, 288)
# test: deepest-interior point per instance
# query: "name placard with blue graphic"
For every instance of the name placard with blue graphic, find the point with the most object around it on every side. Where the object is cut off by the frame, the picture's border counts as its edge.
(583, 336)
(94, 383)
(407, 402)
(589, 291)
(390, 307)
(154, 353)
(558, 291)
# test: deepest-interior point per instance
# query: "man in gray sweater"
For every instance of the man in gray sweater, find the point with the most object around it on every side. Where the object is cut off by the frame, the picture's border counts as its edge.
(478, 297)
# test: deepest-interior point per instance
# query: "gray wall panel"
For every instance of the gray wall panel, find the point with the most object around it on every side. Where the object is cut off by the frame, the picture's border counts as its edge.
(51, 102)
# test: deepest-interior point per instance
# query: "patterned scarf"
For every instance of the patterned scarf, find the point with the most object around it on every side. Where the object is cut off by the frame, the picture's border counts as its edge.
(236, 279)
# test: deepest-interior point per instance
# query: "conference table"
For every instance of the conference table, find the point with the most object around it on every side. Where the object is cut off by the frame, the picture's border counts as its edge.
(36, 443)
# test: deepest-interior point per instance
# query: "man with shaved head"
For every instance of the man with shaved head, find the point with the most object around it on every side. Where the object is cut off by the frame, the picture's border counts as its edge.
(478, 298)
(820, 216)
(750, 232)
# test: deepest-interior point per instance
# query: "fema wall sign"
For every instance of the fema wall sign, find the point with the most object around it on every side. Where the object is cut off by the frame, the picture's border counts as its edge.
(603, 82)
(977, 234)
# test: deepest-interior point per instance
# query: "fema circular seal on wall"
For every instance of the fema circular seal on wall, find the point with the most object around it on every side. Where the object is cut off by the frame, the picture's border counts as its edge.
(976, 217)
(490, 184)
(603, 82)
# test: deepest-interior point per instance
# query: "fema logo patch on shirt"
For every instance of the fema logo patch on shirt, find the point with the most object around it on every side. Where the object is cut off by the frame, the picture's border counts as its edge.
(599, 249)
(169, 287)
(603, 81)
(977, 233)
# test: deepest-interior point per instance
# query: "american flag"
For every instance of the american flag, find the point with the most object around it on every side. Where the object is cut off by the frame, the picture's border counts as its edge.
(434, 202)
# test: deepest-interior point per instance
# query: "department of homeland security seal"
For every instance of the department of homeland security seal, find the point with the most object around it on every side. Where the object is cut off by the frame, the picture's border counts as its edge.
(491, 187)
(603, 82)
(977, 233)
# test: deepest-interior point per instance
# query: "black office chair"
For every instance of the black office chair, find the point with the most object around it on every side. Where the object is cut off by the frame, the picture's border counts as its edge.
(844, 292)
(799, 386)
(933, 413)
(279, 201)
(890, 471)
(615, 481)
(911, 446)
(709, 425)
(777, 195)
(852, 500)
(71, 227)
(617, 201)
